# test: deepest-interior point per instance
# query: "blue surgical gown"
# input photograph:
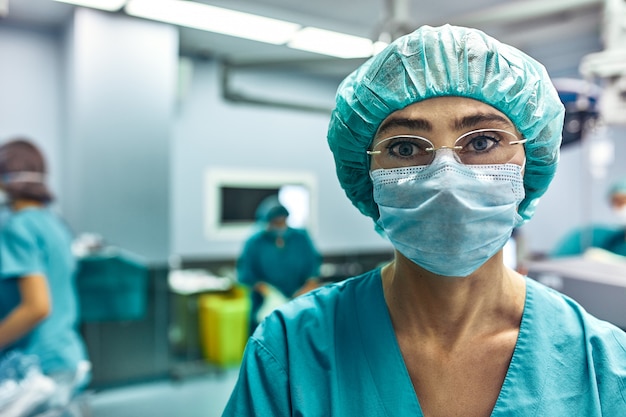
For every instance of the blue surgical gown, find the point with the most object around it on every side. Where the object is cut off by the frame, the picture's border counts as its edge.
(36, 241)
(610, 238)
(286, 268)
(333, 352)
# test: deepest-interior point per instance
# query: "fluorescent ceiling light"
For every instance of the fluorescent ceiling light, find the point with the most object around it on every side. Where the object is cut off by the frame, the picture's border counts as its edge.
(108, 5)
(331, 43)
(214, 19)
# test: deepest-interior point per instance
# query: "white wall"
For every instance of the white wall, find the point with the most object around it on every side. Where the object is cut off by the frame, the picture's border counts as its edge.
(575, 197)
(119, 99)
(31, 93)
(213, 133)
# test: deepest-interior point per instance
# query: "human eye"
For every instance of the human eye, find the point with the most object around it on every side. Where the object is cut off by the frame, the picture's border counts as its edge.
(480, 141)
(402, 151)
(406, 147)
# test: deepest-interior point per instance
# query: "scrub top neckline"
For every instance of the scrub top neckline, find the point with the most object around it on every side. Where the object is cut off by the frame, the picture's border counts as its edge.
(394, 373)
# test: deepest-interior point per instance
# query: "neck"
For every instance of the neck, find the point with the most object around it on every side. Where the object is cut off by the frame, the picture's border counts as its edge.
(426, 305)
(22, 204)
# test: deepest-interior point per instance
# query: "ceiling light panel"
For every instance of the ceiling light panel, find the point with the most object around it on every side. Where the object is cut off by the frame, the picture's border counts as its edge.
(214, 19)
(331, 43)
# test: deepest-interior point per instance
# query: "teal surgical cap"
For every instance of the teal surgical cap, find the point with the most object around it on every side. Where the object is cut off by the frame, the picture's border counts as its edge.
(446, 61)
(618, 187)
(269, 209)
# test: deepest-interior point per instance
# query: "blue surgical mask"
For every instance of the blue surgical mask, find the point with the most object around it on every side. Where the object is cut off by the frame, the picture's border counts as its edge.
(447, 217)
(277, 231)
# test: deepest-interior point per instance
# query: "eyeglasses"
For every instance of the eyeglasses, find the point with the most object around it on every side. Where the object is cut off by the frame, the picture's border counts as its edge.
(478, 147)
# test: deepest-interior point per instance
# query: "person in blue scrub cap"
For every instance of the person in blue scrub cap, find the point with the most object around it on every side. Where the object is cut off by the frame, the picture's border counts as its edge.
(38, 301)
(447, 139)
(608, 237)
(277, 258)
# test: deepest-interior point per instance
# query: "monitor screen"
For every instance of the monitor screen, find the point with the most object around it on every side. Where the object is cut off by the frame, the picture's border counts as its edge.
(239, 203)
(233, 196)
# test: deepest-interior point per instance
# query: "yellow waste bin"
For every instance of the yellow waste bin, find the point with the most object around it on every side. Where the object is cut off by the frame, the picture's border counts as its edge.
(224, 325)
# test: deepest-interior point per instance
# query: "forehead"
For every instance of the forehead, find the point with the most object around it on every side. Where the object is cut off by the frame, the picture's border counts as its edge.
(455, 113)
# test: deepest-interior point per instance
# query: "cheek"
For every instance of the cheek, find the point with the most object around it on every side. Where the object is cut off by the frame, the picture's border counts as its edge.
(520, 159)
(618, 201)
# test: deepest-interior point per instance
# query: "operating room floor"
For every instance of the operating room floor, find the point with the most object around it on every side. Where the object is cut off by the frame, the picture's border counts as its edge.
(197, 396)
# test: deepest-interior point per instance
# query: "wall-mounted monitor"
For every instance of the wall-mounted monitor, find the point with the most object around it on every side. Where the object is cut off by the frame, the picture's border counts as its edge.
(232, 197)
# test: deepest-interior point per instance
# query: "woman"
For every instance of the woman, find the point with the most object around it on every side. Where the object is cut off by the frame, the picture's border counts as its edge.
(446, 139)
(38, 304)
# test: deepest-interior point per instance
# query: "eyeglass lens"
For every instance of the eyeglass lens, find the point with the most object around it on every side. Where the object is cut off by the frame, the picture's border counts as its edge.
(477, 147)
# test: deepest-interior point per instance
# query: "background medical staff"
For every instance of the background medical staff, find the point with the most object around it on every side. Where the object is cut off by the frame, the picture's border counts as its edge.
(38, 303)
(277, 255)
(610, 237)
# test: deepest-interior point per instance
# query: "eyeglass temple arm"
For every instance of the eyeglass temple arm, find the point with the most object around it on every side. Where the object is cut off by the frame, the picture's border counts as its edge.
(460, 147)
(448, 147)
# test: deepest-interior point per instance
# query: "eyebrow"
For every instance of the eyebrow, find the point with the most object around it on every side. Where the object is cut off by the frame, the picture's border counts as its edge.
(463, 123)
(412, 123)
(474, 120)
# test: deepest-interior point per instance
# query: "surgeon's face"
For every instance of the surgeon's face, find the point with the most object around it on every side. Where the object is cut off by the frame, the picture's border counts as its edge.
(618, 202)
(487, 135)
(278, 223)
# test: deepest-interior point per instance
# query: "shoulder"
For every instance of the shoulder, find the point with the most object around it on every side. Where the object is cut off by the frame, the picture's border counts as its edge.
(294, 233)
(573, 320)
(577, 239)
(596, 228)
(546, 300)
(29, 218)
(298, 231)
(20, 223)
(572, 352)
(256, 238)
(311, 315)
(598, 231)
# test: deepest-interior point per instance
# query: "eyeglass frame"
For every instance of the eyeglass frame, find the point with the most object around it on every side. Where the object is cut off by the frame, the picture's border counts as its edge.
(433, 149)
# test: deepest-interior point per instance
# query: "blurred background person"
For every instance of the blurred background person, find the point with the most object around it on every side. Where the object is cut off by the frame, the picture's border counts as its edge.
(38, 302)
(608, 237)
(277, 258)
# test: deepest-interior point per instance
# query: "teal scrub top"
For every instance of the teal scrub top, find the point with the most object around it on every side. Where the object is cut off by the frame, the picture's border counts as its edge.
(286, 268)
(610, 238)
(36, 241)
(333, 352)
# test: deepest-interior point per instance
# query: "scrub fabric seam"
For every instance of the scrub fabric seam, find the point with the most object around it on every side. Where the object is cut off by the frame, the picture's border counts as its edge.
(270, 354)
(396, 349)
(621, 380)
(369, 364)
(520, 346)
